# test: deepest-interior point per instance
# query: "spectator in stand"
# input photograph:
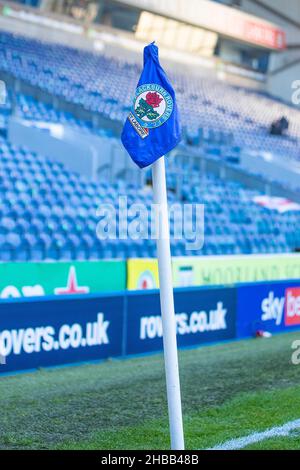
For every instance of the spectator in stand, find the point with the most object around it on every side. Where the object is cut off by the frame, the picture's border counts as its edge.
(280, 126)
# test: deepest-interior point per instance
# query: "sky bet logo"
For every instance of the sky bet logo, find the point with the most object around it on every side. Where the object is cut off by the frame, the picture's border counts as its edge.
(292, 306)
(273, 307)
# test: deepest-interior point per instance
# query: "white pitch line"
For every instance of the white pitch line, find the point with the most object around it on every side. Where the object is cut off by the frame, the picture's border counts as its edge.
(240, 443)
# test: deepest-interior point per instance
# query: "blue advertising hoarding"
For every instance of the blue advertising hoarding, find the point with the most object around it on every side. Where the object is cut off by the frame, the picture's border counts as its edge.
(267, 306)
(47, 331)
(44, 332)
(202, 315)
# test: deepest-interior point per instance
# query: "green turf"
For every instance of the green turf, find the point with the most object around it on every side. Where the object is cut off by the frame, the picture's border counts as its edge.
(228, 391)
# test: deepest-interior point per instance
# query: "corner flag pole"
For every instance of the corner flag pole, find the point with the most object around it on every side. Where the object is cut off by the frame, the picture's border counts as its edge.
(167, 305)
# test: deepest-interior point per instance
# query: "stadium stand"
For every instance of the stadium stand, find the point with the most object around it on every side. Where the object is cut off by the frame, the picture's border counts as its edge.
(33, 110)
(211, 110)
(49, 212)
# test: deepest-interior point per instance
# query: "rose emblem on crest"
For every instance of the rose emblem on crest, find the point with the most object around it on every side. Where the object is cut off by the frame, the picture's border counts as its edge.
(153, 99)
(152, 107)
(146, 106)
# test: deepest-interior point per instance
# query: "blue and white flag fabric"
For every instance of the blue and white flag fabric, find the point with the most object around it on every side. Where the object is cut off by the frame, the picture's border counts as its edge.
(152, 128)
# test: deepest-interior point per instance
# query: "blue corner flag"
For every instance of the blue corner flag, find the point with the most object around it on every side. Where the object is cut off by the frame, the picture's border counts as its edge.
(152, 128)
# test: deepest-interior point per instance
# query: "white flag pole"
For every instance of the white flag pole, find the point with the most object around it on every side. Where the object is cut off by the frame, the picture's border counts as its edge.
(167, 305)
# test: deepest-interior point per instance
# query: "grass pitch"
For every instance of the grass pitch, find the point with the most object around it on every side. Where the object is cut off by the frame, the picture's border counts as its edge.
(228, 391)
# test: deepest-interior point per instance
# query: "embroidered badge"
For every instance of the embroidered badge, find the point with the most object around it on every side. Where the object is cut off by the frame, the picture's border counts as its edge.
(152, 107)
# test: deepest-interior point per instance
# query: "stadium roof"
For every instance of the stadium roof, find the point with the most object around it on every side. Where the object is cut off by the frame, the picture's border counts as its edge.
(221, 19)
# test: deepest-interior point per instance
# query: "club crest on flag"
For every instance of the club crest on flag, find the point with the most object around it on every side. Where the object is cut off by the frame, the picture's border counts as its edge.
(152, 107)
